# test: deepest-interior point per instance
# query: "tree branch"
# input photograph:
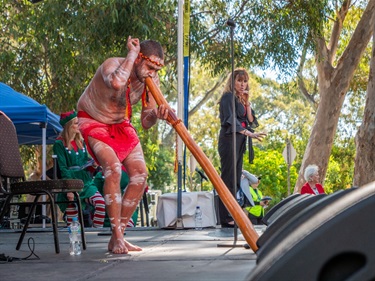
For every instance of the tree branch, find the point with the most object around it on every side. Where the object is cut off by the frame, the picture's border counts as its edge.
(336, 30)
(170, 136)
(208, 95)
(358, 43)
(300, 81)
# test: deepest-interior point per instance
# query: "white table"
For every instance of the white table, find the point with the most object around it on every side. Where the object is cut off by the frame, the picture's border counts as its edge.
(167, 209)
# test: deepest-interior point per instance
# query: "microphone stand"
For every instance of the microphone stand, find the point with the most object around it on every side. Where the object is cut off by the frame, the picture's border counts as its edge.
(232, 25)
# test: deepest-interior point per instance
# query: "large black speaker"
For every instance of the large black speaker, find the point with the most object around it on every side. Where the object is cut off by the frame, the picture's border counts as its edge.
(337, 243)
(287, 215)
(278, 206)
(282, 207)
(279, 230)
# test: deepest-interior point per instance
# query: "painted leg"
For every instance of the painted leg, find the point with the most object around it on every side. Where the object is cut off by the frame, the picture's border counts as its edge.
(136, 169)
(112, 193)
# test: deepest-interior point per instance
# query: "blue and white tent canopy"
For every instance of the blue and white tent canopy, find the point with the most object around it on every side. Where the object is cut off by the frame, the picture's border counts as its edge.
(29, 117)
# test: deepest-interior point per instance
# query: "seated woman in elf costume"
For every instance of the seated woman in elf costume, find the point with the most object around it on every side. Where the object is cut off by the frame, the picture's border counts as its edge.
(74, 163)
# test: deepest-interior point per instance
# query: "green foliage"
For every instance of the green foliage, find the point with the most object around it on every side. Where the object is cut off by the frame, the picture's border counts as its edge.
(54, 47)
(341, 166)
(51, 50)
(267, 33)
(271, 166)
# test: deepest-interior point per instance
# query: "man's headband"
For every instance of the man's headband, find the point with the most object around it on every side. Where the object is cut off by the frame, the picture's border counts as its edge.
(150, 60)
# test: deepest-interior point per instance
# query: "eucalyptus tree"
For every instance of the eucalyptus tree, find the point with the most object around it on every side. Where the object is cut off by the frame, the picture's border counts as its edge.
(281, 33)
(365, 138)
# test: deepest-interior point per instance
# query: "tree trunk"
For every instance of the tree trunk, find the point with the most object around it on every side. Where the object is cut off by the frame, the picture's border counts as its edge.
(333, 86)
(319, 147)
(364, 170)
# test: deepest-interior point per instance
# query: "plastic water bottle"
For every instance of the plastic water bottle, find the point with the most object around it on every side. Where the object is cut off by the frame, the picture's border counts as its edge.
(75, 237)
(198, 218)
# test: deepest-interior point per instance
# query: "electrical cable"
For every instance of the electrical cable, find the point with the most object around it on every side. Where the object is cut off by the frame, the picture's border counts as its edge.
(5, 259)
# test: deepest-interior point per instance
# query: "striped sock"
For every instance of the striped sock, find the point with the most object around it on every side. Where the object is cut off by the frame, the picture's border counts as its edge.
(71, 212)
(97, 201)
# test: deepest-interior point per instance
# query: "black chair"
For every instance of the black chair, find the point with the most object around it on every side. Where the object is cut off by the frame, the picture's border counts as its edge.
(12, 183)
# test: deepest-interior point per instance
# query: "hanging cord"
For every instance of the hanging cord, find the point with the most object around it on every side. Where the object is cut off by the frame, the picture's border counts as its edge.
(5, 259)
(176, 157)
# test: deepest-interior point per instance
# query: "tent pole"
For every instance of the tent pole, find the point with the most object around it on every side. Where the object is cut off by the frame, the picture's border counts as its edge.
(44, 157)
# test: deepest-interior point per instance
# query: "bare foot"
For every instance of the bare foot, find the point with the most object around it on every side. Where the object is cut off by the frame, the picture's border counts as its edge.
(121, 246)
(132, 247)
(117, 246)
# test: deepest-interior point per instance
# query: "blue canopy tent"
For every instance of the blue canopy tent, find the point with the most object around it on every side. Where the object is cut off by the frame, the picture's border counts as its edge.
(35, 123)
(30, 118)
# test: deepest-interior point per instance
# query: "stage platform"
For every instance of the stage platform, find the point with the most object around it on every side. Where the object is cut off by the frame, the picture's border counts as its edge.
(167, 254)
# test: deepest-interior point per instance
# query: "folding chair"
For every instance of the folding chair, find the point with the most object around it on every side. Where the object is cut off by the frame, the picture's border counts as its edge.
(12, 183)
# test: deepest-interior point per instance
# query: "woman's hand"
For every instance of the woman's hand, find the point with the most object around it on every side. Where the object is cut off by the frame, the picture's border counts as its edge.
(258, 136)
(244, 98)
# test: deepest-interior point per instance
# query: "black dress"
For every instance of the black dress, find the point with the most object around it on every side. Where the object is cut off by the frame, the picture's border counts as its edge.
(229, 165)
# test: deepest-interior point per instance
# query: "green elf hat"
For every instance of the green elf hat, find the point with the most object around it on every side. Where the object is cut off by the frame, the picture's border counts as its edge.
(67, 116)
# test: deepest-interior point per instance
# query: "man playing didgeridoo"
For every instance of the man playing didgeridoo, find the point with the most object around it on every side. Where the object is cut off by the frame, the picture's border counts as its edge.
(104, 112)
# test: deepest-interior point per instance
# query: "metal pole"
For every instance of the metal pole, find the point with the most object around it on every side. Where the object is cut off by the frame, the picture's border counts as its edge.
(180, 112)
(232, 25)
(44, 169)
(288, 156)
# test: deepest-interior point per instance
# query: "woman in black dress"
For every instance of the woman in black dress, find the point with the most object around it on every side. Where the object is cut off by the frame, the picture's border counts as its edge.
(245, 120)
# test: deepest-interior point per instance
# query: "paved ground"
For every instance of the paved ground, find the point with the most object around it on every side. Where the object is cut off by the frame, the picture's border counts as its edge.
(186, 254)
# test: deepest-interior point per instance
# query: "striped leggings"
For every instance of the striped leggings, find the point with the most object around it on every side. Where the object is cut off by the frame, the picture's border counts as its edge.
(97, 201)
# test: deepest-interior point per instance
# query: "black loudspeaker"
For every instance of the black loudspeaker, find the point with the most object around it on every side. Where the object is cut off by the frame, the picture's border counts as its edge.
(270, 218)
(336, 243)
(277, 206)
(287, 215)
(279, 230)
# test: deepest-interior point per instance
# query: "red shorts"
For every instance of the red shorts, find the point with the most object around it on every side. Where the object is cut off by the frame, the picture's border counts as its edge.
(121, 137)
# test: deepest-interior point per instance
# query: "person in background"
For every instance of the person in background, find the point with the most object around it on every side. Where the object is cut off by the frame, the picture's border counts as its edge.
(244, 119)
(259, 203)
(72, 157)
(312, 185)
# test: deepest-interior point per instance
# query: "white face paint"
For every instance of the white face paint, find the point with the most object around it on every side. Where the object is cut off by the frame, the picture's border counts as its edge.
(108, 200)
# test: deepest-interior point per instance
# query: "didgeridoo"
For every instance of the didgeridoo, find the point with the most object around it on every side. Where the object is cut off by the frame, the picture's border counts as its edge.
(226, 196)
